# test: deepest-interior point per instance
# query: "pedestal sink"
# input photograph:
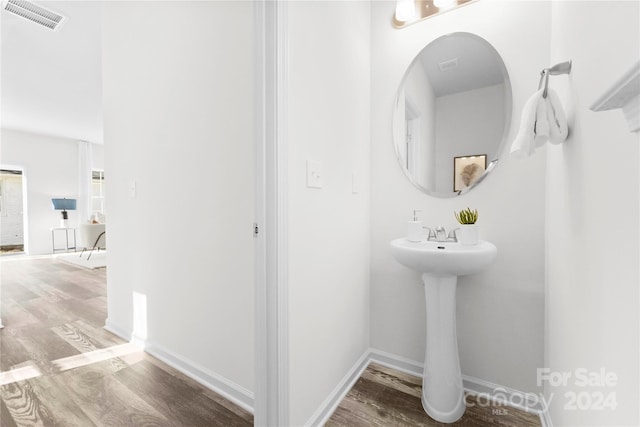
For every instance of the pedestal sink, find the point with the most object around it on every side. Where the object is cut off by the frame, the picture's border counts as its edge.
(440, 264)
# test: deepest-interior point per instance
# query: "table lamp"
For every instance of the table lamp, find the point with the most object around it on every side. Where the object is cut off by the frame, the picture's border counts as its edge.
(64, 205)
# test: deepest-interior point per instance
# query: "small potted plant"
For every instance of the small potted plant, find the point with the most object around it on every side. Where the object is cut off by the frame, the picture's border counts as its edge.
(468, 233)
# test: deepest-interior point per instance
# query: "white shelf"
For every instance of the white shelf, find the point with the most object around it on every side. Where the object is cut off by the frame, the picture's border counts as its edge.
(625, 94)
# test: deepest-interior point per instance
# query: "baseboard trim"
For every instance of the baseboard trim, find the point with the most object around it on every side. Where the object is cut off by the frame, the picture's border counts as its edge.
(504, 395)
(399, 363)
(244, 398)
(494, 392)
(221, 385)
(545, 418)
(215, 382)
(117, 330)
(328, 407)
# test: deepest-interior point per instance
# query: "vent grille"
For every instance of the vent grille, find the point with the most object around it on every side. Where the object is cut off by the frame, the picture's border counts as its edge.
(448, 65)
(35, 13)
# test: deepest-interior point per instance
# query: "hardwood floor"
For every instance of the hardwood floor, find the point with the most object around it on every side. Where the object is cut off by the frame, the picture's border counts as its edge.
(61, 368)
(384, 397)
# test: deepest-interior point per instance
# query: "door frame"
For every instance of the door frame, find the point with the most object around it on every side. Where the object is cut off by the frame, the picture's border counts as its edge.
(25, 201)
(25, 213)
(271, 395)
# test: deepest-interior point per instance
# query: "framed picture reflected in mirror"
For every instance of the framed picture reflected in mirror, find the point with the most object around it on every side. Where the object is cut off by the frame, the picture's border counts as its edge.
(467, 170)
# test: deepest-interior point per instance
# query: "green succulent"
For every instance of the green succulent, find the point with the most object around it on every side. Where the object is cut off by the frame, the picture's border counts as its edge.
(467, 216)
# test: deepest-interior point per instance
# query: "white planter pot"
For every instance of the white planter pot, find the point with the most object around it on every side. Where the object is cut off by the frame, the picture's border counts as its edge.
(468, 234)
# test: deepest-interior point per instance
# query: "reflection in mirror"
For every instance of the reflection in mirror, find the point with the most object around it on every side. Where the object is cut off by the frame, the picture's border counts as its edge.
(452, 114)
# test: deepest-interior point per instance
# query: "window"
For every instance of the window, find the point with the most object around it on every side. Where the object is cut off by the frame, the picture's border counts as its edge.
(97, 191)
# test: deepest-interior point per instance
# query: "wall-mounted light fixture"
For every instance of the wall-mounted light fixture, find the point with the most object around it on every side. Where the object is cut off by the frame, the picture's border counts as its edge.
(405, 10)
(411, 11)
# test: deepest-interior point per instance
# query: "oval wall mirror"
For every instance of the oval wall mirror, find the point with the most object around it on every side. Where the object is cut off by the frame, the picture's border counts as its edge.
(452, 114)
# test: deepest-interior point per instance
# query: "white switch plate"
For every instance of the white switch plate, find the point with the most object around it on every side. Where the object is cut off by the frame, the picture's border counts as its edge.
(314, 174)
(133, 190)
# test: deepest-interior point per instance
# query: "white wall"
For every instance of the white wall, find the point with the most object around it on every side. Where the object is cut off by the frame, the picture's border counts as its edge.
(51, 81)
(98, 156)
(50, 166)
(419, 93)
(500, 311)
(328, 105)
(178, 95)
(592, 217)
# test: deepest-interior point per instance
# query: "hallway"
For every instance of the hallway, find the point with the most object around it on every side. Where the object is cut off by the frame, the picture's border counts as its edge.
(60, 367)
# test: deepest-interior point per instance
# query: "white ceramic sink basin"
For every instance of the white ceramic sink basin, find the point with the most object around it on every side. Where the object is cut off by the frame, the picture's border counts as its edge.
(443, 258)
(440, 264)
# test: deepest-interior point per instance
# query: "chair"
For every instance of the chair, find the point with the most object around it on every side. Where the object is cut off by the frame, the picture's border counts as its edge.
(91, 237)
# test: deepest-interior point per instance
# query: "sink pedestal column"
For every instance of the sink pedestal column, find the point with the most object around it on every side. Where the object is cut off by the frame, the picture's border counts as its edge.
(442, 389)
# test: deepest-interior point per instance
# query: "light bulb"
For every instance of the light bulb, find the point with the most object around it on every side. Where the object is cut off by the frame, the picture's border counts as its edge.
(405, 10)
(444, 4)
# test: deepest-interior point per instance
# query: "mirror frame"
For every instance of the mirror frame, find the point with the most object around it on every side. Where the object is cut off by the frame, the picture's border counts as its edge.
(505, 132)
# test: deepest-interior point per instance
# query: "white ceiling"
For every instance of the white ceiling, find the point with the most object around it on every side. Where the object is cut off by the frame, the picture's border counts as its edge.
(51, 81)
(479, 65)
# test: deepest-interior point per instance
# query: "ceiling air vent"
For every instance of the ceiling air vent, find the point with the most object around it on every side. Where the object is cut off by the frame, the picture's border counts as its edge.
(448, 65)
(34, 13)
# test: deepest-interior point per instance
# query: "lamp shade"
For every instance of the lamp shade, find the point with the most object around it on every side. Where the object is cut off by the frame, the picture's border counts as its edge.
(64, 204)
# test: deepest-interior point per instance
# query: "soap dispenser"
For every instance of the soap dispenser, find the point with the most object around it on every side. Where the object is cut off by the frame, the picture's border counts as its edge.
(414, 228)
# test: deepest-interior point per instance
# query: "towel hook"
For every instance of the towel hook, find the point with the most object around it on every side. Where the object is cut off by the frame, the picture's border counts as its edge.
(544, 75)
(560, 68)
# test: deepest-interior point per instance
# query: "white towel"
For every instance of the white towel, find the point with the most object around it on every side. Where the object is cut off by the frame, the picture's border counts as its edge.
(558, 129)
(543, 119)
(525, 142)
(541, 124)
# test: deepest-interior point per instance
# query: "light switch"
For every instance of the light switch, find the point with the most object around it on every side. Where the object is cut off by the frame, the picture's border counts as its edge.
(314, 174)
(133, 191)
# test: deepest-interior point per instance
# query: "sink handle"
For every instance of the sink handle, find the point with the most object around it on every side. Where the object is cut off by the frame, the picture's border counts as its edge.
(431, 234)
(453, 235)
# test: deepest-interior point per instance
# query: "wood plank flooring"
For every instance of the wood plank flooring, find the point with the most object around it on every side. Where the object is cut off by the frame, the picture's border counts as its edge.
(61, 368)
(385, 397)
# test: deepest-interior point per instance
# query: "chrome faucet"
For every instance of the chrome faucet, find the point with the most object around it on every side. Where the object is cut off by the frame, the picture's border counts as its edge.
(440, 234)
